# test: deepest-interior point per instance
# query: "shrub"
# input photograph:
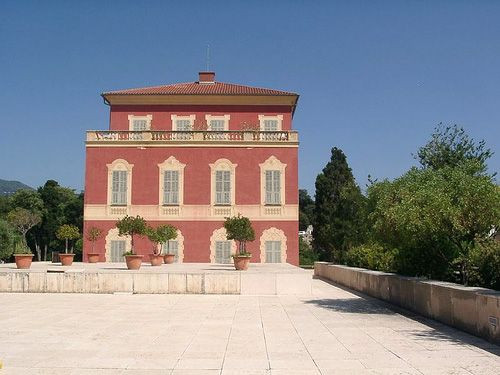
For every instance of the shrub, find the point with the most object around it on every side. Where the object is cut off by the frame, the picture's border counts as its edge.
(485, 264)
(67, 232)
(372, 256)
(307, 256)
(160, 235)
(239, 228)
(131, 226)
(8, 240)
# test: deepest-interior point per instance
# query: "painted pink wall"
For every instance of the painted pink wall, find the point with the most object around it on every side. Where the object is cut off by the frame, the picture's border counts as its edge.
(197, 239)
(145, 173)
(162, 120)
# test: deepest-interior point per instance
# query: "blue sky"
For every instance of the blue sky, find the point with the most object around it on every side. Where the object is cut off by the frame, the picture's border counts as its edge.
(374, 77)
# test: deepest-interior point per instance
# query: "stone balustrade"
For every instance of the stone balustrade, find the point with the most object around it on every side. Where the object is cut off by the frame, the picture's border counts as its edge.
(112, 136)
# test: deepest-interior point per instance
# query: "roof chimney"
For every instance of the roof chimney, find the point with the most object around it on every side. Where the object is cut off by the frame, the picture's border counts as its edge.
(207, 77)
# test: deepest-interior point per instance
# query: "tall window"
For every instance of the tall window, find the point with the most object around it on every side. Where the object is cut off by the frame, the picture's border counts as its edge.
(119, 188)
(223, 187)
(217, 125)
(273, 187)
(171, 188)
(273, 251)
(222, 252)
(117, 250)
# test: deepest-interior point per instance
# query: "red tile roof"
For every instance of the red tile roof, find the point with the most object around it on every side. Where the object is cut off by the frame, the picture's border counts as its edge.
(196, 88)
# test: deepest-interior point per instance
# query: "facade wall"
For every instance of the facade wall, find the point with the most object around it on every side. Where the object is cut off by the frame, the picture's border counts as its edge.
(197, 217)
(197, 239)
(197, 173)
(162, 114)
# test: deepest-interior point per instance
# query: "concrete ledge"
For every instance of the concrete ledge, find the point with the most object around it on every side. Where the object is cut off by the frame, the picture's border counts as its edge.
(474, 310)
(191, 279)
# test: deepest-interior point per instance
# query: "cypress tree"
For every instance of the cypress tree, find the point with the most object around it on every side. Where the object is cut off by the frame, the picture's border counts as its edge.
(339, 209)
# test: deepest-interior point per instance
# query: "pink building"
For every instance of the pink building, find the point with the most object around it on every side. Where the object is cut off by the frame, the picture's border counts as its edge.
(191, 154)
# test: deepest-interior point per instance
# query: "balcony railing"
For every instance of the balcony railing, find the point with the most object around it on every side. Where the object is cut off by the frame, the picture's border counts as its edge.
(105, 136)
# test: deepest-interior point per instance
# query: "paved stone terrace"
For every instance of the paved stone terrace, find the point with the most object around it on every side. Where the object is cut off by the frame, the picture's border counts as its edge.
(332, 332)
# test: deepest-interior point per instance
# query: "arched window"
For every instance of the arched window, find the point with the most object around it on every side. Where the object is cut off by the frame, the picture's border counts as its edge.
(273, 246)
(221, 248)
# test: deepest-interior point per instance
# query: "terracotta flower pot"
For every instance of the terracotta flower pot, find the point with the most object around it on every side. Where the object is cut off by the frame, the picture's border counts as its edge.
(241, 262)
(133, 261)
(156, 260)
(93, 257)
(23, 261)
(66, 259)
(169, 258)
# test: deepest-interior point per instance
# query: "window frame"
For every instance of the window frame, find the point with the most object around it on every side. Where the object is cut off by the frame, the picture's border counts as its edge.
(170, 164)
(190, 118)
(224, 118)
(147, 118)
(115, 166)
(278, 118)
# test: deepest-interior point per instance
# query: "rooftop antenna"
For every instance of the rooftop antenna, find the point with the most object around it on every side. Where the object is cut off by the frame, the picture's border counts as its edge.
(208, 57)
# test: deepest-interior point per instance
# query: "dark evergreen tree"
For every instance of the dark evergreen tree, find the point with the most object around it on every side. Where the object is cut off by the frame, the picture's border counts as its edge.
(306, 210)
(339, 210)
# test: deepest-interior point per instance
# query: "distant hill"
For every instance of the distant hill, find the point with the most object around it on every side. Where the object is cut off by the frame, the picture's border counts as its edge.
(10, 187)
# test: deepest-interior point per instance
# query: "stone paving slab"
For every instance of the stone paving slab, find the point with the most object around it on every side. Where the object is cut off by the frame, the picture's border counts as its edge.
(331, 332)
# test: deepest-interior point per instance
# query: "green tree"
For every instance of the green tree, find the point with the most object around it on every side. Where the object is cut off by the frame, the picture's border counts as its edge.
(67, 232)
(131, 226)
(306, 210)
(62, 206)
(307, 256)
(93, 234)
(434, 216)
(239, 228)
(451, 146)
(160, 235)
(339, 209)
(8, 240)
(23, 220)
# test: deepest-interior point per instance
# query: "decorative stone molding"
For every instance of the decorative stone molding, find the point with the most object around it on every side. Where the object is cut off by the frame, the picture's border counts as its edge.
(272, 234)
(272, 164)
(170, 164)
(254, 212)
(113, 236)
(119, 165)
(219, 235)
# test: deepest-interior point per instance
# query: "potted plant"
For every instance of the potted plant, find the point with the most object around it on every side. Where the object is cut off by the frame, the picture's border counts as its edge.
(240, 229)
(157, 236)
(93, 234)
(132, 226)
(23, 256)
(23, 220)
(67, 232)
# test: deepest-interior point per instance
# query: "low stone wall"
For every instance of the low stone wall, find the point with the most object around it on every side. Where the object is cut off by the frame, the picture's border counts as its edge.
(85, 281)
(474, 310)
